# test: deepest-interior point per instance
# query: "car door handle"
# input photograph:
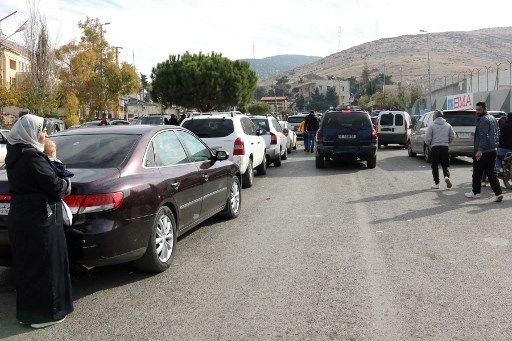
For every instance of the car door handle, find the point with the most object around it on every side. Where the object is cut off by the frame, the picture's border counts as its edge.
(206, 177)
(176, 184)
(253, 143)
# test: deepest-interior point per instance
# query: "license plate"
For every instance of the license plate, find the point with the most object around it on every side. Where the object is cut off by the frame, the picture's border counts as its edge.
(347, 136)
(464, 135)
(4, 209)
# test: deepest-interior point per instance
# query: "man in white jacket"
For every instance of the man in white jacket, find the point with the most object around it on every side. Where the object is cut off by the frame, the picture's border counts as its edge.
(439, 135)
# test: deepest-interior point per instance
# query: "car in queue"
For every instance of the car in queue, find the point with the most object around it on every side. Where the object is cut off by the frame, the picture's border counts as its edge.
(291, 144)
(135, 190)
(394, 127)
(295, 121)
(275, 140)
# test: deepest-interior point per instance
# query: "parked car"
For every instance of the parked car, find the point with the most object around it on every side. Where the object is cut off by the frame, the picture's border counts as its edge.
(497, 113)
(275, 141)
(237, 135)
(119, 122)
(463, 123)
(135, 190)
(54, 125)
(346, 135)
(95, 123)
(3, 144)
(394, 128)
(155, 120)
(295, 121)
(291, 144)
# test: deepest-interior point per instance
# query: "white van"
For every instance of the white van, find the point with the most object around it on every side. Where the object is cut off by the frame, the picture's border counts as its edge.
(394, 127)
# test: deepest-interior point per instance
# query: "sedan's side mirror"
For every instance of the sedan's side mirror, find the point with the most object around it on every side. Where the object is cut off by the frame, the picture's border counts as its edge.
(221, 155)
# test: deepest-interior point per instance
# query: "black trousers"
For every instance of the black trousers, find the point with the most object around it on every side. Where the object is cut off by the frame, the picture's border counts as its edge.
(440, 155)
(485, 165)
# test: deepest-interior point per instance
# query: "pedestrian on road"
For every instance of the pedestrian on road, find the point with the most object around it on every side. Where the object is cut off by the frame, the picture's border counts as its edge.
(439, 135)
(302, 129)
(103, 121)
(182, 118)
(311, 126)
(485, 147)
(35, 223)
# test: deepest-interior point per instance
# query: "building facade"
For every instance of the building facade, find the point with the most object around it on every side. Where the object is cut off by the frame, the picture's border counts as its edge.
(341, 87)
(14, 62)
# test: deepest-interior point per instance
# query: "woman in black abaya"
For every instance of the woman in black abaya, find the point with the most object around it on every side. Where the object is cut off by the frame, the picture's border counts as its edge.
(36, 231)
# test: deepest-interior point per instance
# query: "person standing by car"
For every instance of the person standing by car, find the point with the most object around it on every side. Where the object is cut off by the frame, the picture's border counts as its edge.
(35, 223)
(173, 120)
(311, 127)
(485, 144)
(438, 136)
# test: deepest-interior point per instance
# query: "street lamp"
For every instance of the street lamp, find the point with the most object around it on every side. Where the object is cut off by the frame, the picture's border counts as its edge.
(101, 66)
(478, 79)
(497, 74)
(488, 68)
(428, 61)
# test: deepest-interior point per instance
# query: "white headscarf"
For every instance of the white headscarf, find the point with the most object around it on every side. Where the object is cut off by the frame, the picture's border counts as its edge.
(26, 130)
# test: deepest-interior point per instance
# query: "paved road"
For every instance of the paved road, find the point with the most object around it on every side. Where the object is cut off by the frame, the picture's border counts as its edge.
(339, 253)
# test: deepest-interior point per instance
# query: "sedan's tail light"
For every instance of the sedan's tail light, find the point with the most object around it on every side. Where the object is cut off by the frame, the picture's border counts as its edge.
(5, 198)
(273, 138)
(88, 203)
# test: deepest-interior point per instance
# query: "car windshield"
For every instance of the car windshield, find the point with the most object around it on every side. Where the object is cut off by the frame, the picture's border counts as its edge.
(94, 151)
(210, 128)
(346, 119)
(261, 123)
(461, 118)
(152, 120)
(296, 119)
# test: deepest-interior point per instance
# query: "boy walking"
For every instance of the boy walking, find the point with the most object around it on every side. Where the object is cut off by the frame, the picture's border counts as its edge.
(439, 135)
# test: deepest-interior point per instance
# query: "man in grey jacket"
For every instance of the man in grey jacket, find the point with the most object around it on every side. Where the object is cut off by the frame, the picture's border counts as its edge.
(439, 135)
(486, 142)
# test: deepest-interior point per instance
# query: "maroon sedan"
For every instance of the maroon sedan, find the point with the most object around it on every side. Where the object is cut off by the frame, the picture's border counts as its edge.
(135, 190)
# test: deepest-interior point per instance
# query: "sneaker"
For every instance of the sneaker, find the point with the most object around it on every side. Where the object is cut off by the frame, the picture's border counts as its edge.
(472, 195)
(434, 186)
(46, 324)
(485, 183)
(448, 182)
(498, 198)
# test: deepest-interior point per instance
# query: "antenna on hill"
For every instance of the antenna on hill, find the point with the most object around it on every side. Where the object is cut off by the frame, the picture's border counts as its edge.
(253, 52)
(340, 32)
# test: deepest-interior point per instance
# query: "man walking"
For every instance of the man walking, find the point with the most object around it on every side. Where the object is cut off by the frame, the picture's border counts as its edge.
(486, 142)
(311, 128)
(439, 135)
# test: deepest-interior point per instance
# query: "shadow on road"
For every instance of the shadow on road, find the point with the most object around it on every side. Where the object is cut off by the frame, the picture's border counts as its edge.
(406, 163)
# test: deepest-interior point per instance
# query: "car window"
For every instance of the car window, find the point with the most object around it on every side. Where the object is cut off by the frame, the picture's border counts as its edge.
(198, 151)
(344, 119)
(276, 125)
(152, 120)
(3, 140)
(386, 119)
(459, 119)
(261, 123)
(248, 126)
(296, 119)
(419, 122)
(150, 156)
(94, 150)
(399, 120)
(168, 150)
(210, 128)
(426, 120)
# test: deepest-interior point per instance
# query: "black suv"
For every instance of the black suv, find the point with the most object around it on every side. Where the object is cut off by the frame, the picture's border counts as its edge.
(346, 135)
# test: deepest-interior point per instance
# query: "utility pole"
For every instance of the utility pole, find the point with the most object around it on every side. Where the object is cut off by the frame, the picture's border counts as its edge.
(428, 62)
(103, 99)
(117, 63)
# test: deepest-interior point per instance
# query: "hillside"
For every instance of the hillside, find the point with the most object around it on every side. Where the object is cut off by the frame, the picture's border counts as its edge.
(405, 57)
(272, 66)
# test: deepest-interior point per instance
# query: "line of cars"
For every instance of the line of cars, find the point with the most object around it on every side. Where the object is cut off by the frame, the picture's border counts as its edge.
(136, 188)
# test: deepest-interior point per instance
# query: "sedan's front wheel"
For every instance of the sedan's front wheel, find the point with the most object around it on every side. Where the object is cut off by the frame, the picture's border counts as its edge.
(232, 208)
(161, 244)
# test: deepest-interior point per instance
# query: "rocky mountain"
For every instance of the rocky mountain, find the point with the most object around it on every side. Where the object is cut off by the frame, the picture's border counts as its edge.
(272, 66)
(405, 57)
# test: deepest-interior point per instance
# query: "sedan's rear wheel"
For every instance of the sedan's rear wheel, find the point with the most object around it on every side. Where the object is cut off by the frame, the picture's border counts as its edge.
(409, 150)
(285, 155)
(277, 162)
(161, 244)
(248, 177)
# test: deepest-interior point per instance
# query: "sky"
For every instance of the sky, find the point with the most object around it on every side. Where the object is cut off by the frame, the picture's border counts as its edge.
(151, 30)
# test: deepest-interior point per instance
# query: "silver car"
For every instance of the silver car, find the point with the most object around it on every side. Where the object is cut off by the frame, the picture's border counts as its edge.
(463, 123)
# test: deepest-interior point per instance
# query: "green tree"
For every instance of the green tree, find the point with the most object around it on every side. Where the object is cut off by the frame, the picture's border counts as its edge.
(204, 82)
(260, 92)
(300, 103)
(317, 101)
(281, 87)
(88, 71)
(259, 108)
(331, 97)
